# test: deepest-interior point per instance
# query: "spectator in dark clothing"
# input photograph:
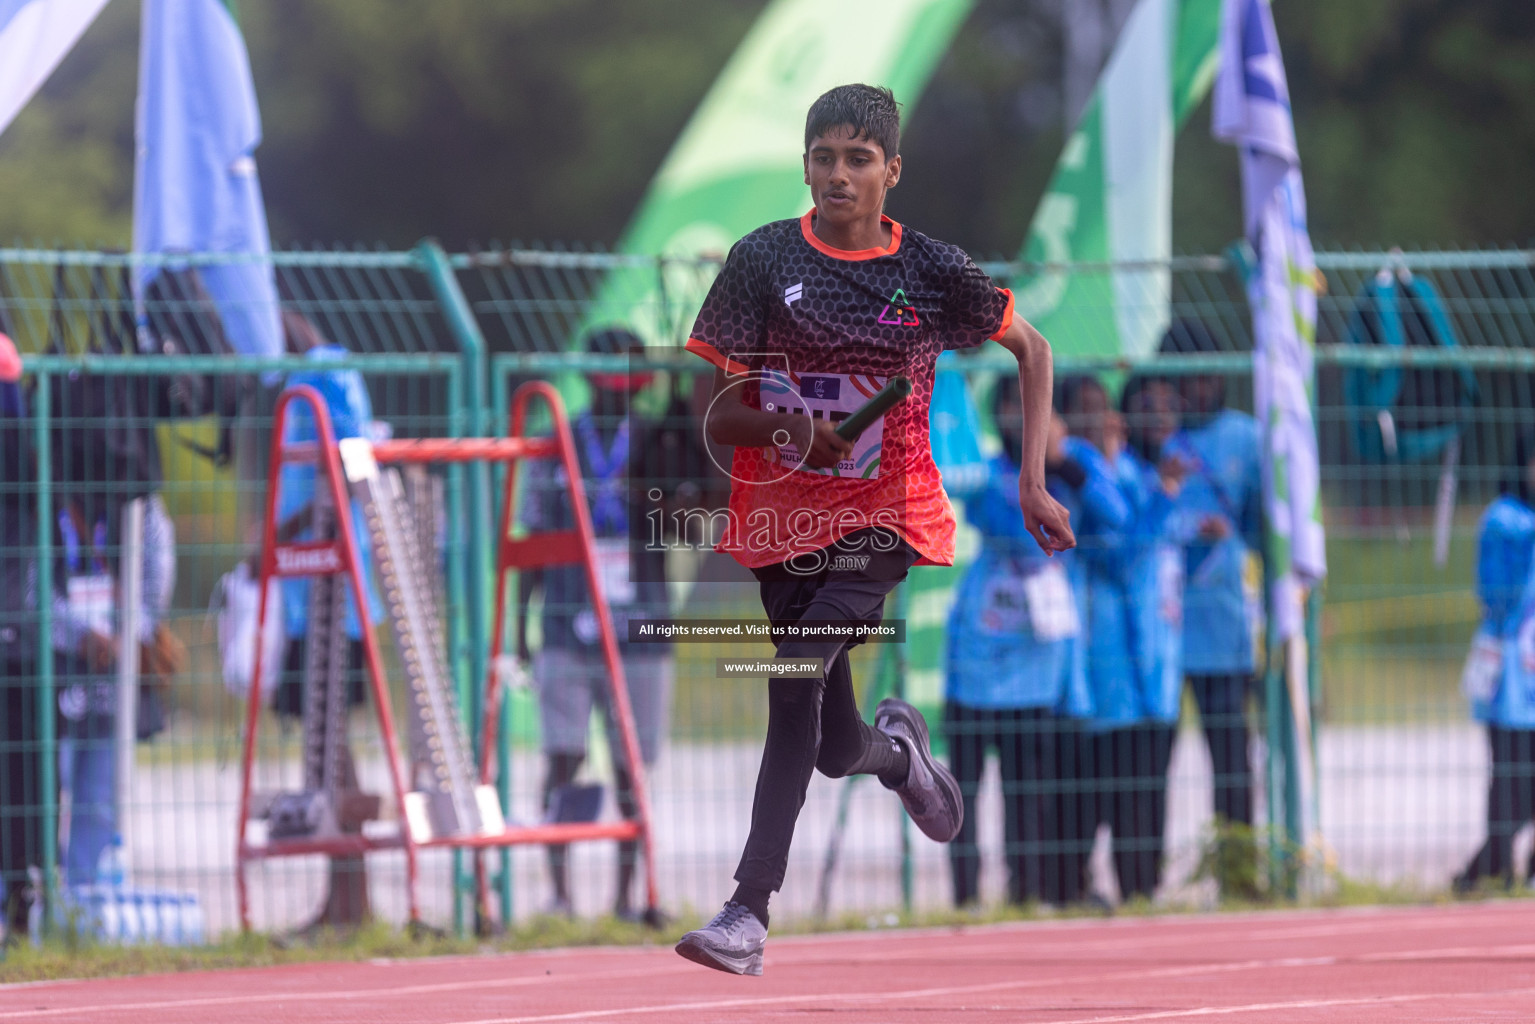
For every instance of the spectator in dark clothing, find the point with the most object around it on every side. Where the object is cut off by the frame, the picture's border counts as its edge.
(615, 447)
(21, 795)
(1223, 602)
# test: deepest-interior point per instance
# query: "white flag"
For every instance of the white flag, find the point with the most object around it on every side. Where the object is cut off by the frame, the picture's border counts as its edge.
(1252, 110)
(34, 36)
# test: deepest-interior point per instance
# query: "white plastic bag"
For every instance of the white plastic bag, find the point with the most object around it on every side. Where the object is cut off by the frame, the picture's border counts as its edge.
(238, 599)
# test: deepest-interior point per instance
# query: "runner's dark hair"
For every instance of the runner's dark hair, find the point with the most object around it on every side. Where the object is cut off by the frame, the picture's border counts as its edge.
(870, 111)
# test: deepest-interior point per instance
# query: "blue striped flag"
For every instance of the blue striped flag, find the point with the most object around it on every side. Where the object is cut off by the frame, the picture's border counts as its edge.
(1252, 111)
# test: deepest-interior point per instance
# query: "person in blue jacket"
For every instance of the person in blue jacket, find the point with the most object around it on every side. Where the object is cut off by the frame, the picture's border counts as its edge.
(1011, 636)
(1100, 585)
(1135, 748)
(1500, 675)
(1222, 494)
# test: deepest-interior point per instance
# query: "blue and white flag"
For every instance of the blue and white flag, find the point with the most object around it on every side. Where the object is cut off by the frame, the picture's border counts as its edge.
(196, 188)
(34, 36)
(1252, 110)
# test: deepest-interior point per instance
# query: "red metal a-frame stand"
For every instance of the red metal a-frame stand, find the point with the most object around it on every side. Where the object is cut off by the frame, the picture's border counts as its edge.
(340, 557)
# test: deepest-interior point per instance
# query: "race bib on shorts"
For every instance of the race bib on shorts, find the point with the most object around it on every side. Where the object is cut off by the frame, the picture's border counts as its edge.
(828, 396)
(1052, 606)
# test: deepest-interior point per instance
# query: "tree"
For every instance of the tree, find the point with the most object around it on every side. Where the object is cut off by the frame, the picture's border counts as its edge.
(544, 120)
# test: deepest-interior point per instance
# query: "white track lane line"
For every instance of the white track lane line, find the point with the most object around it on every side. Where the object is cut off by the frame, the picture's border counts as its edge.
(1135, 937)
(876, 998)
(1301, 1004)
(1498, 952)
(327, 995)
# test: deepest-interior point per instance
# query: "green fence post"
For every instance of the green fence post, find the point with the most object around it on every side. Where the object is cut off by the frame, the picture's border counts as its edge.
(46, 726)
(1295, 825)
(1314, 696)
(458, 583)
(499, 425)
(460, 319)
(1276, 771)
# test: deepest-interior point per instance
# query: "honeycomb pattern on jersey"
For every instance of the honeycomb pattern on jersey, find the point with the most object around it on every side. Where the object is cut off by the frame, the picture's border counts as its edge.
(780, 301)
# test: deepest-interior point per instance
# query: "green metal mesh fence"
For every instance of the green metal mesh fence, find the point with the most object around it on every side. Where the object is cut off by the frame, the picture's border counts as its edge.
(1402, 767)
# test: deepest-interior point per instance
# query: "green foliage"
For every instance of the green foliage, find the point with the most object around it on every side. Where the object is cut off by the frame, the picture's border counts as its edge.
(68, 956)
(1246, 866)
(64, 957)
(537, 119)
(387, 120)
(1411, 115)
(66, 162)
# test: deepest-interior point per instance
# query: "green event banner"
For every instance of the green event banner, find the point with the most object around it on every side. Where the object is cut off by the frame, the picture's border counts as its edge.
(1110, 198)
(738, 163)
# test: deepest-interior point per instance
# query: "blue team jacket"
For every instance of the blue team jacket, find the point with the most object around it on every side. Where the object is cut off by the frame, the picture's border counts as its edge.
(1105, 541)
(1219, 616)
(1154, 586)
(1505, 586)
(994, 659)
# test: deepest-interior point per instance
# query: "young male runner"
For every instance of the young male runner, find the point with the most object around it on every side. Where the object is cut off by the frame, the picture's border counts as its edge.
(806, 320)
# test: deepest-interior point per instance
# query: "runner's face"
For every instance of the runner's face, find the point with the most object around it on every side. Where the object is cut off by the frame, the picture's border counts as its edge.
(848, 176)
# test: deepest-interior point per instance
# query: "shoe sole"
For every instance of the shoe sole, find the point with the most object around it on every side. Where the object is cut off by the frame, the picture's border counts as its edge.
(749, 964)
(892, 710)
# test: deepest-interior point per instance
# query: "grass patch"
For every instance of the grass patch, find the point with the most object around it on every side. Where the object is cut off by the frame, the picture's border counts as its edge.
(1395, 628)
(67, 957)
(59, 958)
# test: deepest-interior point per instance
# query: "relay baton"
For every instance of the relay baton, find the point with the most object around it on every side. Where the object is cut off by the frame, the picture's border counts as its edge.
(874, 408)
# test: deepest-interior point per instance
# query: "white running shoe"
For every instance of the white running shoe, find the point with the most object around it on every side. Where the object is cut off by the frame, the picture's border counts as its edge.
(930, 793)
(732, 942)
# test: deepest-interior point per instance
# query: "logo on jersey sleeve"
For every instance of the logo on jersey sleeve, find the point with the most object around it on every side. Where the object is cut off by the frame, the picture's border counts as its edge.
(899, 311)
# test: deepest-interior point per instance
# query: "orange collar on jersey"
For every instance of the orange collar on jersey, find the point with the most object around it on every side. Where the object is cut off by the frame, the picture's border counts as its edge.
(806, 226)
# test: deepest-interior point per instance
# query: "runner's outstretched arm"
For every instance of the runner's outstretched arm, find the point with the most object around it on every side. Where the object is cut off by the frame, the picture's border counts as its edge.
(1045, 518)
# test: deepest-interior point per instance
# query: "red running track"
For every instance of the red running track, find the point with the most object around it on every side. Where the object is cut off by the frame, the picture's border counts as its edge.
(1470, 962)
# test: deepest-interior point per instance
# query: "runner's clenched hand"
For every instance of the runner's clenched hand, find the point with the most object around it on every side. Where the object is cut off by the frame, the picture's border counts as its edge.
(819, 442)
(1046, 519)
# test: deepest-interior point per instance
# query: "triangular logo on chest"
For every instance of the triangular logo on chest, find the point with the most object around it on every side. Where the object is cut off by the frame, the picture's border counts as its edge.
(899, 311)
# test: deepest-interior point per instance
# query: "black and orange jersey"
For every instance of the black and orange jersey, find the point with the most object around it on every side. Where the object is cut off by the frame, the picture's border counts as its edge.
(818, 330)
